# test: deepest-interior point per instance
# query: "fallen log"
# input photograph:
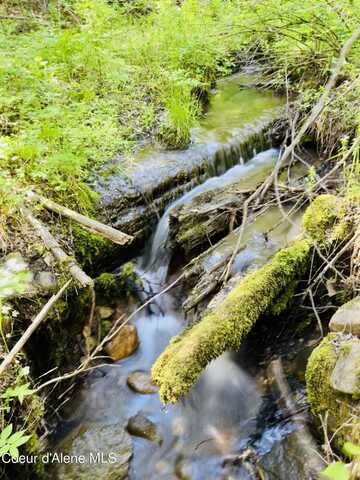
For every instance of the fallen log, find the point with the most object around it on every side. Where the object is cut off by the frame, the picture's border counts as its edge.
(225, 327)
(90, 224)
(52, 244)
(207, 216)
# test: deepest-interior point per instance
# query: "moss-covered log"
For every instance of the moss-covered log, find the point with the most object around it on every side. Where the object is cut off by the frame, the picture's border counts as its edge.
(180, 365)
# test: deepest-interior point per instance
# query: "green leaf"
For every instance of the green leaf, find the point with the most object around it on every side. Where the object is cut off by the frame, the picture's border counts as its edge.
(14, 452)
(19, 441)
(336, 471)
(6, 432)
(351, 450)
(4, 450)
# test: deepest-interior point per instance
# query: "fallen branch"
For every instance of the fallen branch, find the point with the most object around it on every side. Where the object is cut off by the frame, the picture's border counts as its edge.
(52, 244)
(90, 224)
(260, 192)
(31, 329)
(115, 329)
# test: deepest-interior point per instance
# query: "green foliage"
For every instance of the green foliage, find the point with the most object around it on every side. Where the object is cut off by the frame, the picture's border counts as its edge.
(19, 392)
(336, 471)
(9, 442)
(351, 450)
(72, 97)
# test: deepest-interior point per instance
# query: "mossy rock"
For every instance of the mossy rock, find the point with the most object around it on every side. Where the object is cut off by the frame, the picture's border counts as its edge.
(330, 219)
(342, 410)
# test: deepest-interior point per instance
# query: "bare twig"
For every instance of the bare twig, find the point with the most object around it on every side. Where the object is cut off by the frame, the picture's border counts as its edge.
(31, 329)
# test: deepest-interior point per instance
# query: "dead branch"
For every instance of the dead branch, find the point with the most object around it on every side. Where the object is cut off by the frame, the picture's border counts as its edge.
(260, 192)
(116, 328)
(31, 329)
(90, 224)
(52, 244)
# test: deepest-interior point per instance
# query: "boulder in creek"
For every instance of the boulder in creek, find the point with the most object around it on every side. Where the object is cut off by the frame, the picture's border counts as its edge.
(107, 451)
(123, 344)
(345, 377)
(141, 426)
(141, 382)
(342, 409)
(347, 318)
(294, 457)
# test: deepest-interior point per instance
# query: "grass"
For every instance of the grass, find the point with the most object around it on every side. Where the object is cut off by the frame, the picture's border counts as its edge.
(72, 94)
(86, 79)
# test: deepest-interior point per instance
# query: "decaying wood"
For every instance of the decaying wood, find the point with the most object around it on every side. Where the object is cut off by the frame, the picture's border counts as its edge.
(52, 244)
(90, 224)
(31, 328)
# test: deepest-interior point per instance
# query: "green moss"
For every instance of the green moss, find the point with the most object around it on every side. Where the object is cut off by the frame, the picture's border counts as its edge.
(330, 219)
(320, 217)
(324, 400)
(105, 284)
(180, 365)
(88, 245)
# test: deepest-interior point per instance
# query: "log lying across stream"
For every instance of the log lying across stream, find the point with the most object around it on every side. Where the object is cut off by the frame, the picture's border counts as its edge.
(181, 364)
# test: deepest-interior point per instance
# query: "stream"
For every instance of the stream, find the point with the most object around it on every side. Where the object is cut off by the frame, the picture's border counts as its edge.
(234, 407)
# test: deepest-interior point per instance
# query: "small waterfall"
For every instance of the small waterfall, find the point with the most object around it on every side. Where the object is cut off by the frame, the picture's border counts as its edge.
(157, 262)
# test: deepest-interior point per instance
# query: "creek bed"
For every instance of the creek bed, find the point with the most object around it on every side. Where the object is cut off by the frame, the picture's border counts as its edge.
(232, 408)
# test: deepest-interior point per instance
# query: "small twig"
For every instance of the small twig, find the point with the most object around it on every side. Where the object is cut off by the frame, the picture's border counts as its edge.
(114, 331)
(31, 329)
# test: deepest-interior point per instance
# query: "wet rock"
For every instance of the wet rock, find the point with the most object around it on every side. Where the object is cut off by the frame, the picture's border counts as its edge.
(106, 450)
(293, 458)
(347, 318)
(141, 382)
(123, 344)
(105, 312)
(345, 377)
(323, 398)
(140, 426)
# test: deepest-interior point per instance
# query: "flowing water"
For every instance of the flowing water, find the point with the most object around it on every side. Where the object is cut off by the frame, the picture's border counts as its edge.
(229, 408)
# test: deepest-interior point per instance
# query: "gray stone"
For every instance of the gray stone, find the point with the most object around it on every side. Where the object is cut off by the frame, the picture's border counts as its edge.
(345, 377)
(140, 426)
(107, 440)
(347, 318)
(105, 312)
(141, 382)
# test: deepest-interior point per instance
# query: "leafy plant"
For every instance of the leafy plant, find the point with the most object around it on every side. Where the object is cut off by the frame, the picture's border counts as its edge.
(9, 442)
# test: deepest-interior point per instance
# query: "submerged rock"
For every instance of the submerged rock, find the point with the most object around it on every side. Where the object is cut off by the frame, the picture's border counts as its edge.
(106, 450)
(123, 344)
(345, 377)
(347, 318)
(141, 382)
(140, 426)
(293, 458)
